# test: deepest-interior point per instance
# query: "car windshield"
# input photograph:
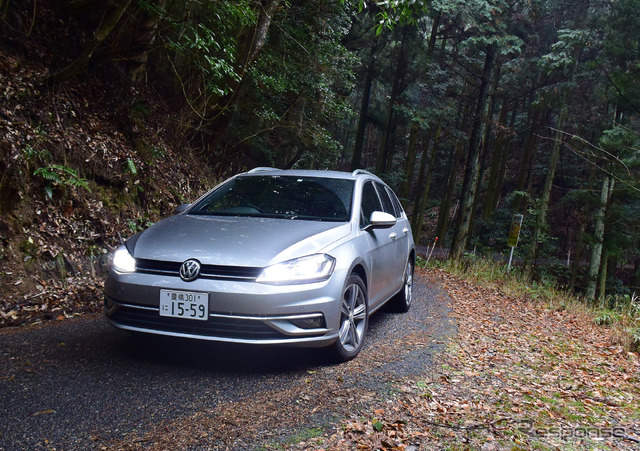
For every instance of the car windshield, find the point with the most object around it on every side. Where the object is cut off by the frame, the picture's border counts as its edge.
(291, 197)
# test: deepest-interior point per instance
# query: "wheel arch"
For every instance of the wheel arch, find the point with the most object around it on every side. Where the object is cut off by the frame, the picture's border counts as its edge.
(362, 272)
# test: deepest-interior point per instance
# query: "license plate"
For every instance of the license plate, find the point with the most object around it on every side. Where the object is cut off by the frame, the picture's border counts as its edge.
(184, 304)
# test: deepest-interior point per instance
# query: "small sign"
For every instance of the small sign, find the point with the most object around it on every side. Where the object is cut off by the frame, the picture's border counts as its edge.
(514, 234)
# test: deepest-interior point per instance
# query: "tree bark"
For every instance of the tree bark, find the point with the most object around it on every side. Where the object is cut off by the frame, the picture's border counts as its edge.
(384, 150)
(497, 166)
(541, 219)
(577, 256)
(412, 152)
(421, 171)
(356, 159)
(422, 194)
(445, 205)
(596, 250)
(475, 145)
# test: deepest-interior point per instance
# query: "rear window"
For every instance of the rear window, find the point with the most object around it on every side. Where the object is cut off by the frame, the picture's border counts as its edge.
(303, 198)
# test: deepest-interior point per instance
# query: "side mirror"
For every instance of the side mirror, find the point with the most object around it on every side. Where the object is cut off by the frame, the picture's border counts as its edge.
(381, 220)
(180, 208)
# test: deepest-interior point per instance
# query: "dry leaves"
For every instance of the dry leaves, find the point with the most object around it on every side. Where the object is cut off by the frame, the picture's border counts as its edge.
(518, 376)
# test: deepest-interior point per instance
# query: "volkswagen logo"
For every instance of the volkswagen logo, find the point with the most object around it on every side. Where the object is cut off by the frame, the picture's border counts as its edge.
(190, 270)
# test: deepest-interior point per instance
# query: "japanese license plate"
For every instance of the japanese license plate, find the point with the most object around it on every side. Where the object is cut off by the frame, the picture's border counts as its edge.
(184, 304)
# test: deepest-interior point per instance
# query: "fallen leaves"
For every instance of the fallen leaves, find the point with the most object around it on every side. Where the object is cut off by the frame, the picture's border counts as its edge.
(518, 375)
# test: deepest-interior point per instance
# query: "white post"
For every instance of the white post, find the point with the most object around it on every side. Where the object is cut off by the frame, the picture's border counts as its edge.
(510, 258)
(431, 252)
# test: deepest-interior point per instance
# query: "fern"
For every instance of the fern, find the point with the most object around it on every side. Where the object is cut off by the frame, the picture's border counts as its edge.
(56, 175)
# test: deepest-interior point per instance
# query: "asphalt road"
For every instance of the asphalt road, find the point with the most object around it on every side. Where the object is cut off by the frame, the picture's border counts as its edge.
(80, 383)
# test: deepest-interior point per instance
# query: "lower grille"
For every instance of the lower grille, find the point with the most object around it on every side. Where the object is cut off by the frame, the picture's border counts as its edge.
(213, 327)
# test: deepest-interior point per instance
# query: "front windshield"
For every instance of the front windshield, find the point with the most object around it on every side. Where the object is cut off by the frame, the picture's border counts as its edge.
(305, 198)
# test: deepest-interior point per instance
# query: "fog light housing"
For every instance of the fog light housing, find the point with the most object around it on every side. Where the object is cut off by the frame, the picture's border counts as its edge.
(315, 322)
(109, 306)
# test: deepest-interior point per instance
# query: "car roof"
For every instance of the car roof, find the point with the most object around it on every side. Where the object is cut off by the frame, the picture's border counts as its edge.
(358, 173)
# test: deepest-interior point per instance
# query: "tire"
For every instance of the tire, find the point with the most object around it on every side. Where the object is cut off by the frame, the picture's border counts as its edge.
(354, 319)
(402, 300)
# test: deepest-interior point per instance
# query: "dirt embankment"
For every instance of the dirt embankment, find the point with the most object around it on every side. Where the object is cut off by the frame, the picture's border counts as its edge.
(81, 167)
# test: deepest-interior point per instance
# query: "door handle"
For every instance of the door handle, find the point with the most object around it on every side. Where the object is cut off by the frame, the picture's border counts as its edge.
(405, 230)
(393, 236)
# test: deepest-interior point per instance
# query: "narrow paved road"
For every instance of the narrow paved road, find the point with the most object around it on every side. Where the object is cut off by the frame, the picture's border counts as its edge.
(80, 383)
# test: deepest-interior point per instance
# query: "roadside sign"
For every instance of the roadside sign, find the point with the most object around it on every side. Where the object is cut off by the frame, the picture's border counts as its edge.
(514, 234)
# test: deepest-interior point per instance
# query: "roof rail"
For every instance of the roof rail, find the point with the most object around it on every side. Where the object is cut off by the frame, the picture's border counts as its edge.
(361, 171)
(263, 169)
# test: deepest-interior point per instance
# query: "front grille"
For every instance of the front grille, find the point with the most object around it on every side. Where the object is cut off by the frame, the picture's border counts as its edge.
(206, 271)
(214, 327)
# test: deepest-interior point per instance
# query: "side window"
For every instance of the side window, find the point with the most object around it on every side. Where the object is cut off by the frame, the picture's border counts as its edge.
(387, 205)
(396, 203)
(370, 203)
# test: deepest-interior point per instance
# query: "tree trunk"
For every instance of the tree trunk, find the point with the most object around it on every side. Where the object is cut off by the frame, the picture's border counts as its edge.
(455, 158)
(412, 152)
(529, 145)
(445, 205)
(83, 59)
(356, 158)
(497, 166)
(577, 256)
(475, 144)
(384, 150)
(541, 219)
(219, 115)
(421, 171)
(581, 8)
(422, 194)
(136, 39)
(596, 250)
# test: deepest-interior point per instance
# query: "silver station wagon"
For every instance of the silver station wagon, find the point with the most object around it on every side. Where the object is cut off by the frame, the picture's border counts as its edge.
(269, 257)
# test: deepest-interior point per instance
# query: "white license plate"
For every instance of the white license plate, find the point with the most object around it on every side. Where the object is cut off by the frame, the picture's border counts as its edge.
(184, 304)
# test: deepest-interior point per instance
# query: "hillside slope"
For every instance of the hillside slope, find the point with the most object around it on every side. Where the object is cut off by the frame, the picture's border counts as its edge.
(82, 166)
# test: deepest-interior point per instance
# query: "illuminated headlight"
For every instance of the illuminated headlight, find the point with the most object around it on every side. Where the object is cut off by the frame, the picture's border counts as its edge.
(313, 268)
(123, 261)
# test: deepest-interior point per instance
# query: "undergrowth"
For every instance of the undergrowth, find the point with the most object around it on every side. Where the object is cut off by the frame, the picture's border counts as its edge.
(620, 313)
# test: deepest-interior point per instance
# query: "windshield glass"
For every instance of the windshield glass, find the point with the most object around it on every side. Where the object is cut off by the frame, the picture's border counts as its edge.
(304, 198)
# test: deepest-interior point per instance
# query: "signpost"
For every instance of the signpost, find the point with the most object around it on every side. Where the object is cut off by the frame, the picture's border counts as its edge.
(514, 234)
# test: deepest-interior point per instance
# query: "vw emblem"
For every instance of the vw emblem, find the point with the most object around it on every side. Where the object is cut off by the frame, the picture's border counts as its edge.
(190, 270)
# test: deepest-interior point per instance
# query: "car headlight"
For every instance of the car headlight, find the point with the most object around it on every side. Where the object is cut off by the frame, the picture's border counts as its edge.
(313, 268)
(123, 261)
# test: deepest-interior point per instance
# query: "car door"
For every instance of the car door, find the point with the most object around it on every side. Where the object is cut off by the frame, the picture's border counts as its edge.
(399, 234)
(381, 246)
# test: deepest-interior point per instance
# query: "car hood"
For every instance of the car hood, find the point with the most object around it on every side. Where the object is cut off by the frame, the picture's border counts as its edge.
(235, 241)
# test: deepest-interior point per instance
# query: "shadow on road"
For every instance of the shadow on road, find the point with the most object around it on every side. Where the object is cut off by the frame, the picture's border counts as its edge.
(219, 357)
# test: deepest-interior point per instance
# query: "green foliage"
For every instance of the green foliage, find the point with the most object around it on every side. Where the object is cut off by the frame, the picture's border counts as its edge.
(292, 94)
(139, 225)
(131, 167)
(607, 317)
(563, 53)
(59, 175)
(203, 43)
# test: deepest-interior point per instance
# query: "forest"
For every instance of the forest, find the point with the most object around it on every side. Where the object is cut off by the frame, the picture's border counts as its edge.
(473, 111)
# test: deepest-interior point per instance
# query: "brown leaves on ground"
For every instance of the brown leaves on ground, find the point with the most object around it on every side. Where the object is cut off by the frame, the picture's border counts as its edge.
(519, 375)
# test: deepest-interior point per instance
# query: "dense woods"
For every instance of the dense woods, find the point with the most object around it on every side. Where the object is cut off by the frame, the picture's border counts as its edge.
(473, 111)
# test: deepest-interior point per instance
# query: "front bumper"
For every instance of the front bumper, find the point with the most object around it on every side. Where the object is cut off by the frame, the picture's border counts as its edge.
(239, 311)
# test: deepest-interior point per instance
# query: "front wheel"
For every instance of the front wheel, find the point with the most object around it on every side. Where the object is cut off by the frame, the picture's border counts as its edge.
(354, 319)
